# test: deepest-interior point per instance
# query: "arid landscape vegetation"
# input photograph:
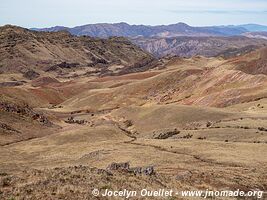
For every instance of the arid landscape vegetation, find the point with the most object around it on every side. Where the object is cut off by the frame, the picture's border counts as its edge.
(79, 112)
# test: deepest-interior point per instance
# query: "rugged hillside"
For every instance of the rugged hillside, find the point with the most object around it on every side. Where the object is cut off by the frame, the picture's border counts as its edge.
(178, 39)
(195, 81)
(253, 63)
(73, 119)
(123, 29)
(261, 35)
(205, 46)
(22, 50)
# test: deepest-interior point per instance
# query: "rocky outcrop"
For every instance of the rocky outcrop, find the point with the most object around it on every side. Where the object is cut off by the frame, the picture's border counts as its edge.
(7, 128)
(119, 166)
(11, 83)
(71, 120)
(147, 171)
(165, 134)
(31, 74)
(62, 65)
(25, 111)
(262, 129)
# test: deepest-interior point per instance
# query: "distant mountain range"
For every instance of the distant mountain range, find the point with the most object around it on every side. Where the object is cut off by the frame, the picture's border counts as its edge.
(104, 30)
(180, 39)
(253, 27)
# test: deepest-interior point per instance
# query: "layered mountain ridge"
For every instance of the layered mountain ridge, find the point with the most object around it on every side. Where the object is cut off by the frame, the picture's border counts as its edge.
(185, 46)
(173, 30)
(179, 39)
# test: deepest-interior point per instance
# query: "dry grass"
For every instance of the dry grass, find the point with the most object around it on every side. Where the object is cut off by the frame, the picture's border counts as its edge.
(218, 147)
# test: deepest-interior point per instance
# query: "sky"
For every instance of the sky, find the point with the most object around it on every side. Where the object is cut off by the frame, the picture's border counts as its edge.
(48, 13)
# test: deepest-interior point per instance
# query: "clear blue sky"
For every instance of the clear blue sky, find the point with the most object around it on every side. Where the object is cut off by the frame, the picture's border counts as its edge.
(46, 13)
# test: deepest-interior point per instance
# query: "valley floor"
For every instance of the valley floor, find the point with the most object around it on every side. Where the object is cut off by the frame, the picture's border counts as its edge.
(230, 154)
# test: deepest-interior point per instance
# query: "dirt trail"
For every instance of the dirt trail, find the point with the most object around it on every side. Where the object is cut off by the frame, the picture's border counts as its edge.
(197, 157)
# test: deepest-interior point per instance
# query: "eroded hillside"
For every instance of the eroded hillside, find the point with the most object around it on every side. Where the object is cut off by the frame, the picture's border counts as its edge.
(31, 52)
(178, 123)
(205, 46)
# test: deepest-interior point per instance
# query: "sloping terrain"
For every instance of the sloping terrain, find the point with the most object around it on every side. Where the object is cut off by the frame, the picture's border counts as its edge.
(183, 162)
(205, 46)
(178, 123)
(262, 35)
(19, 122)
(253, 63)
(33, 53)
(198, 81)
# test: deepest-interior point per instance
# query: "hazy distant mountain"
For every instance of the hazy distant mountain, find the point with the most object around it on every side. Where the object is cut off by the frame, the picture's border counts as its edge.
(123, 29)
(253, 27)
(52, 29)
